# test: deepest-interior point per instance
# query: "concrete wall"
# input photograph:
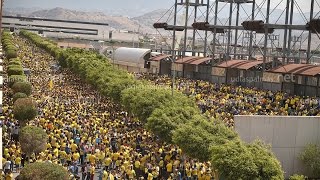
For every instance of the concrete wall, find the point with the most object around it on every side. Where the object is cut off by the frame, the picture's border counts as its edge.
(287, 135)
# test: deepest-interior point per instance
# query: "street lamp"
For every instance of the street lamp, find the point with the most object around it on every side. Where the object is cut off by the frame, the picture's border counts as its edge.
(174, 73)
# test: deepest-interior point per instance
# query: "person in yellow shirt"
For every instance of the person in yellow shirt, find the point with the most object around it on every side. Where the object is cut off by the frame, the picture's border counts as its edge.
(107, 162)
(18, 163)
(105, 174)
(131, 173)
(92, 158)
(150, 175)
(92, 171)
(111, 175)
(195, 172)
(73, 147)
(76, 156)
(189, 173)
(169, 168)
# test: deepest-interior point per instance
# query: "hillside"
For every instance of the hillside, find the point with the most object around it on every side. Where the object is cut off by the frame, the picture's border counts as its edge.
(115, 22)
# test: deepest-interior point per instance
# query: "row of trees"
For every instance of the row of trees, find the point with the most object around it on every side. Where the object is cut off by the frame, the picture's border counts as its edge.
(174, 119)
(32, 139)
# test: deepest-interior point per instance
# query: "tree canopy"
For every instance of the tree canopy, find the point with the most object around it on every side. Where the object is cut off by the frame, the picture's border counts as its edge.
(32, 139)
(43, 171)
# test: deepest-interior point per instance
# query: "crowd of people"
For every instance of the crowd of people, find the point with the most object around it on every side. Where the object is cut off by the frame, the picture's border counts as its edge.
(93, 138)
(225, 101)
(89, 135)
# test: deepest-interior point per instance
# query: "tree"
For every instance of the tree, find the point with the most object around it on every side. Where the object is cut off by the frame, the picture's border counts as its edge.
(43, 171)
(268, 165)
(11, 53)
(297, 177)
(18, 96)
(142, 100)
(14, 61)
(311, 158)
(23, 87)
(15, 70)
(24, 110)
(233, 160)
(164, 120)
(33, 140)
(196, 137)
(16, 78)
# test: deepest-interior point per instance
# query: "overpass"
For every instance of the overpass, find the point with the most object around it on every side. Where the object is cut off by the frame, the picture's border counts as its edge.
(52, 25)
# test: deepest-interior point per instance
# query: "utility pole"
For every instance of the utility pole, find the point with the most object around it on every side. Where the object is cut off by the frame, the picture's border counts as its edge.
(1, 20)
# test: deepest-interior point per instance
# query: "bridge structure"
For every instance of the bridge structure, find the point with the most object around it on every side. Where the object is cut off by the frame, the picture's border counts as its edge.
(253, 29)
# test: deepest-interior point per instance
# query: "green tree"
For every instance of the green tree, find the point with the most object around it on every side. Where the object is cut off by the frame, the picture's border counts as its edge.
(43, 171)
(268, 165)
(15, 61)
(142, 100)
(33, 140)
(18, 96)
(11, 53)
(24, 110)
(16, 70)
(164, 120)
(16, 78)
(23, 87)
(196, 137)
(311, 158)
(233, 160)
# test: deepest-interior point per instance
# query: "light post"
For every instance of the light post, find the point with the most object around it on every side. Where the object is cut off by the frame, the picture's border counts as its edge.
(1, 9)
(174, 72)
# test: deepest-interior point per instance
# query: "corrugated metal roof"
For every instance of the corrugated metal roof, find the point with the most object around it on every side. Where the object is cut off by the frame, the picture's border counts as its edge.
(249, 65)
(231, 63)
(298, 69)
(240, 64)
(202, 60)
(134, 55)
(186, 60)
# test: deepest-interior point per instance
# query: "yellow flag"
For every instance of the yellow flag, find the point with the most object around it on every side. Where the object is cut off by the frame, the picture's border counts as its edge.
(51, 84)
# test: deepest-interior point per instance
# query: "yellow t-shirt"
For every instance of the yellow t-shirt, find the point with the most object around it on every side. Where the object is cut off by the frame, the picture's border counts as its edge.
(169, 167)
(150, 176)
(76, 156)
(107, 161)
(73, 147)
(137, 164)
(18, 160)
(105, 175)
(92, 158)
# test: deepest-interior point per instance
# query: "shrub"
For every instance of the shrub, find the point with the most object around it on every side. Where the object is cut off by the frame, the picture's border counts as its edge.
(16, 78)
(297, 177)
(43, 171)
(15, 70)
(18, 96)
(166, 119)
(24, 110)
(11, 53)
(311, 158)
(32, 140)
(15, 61)
(23, 87)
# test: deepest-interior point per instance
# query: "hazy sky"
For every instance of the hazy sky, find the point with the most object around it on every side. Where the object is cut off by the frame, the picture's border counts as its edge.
(126, 4)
